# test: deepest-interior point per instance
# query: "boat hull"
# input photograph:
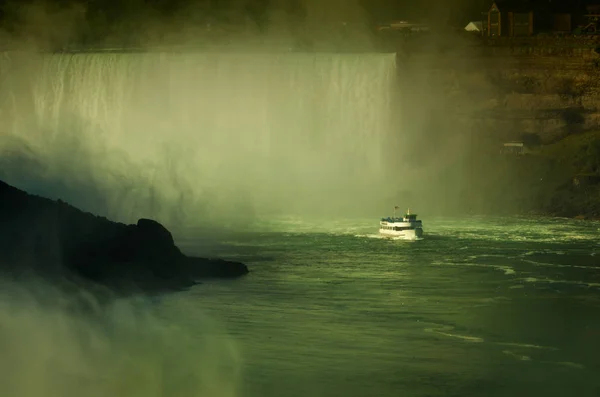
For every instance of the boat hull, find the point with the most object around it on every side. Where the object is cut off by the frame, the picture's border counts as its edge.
(408, 234)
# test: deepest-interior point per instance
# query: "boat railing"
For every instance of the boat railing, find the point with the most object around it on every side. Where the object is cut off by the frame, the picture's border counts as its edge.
(390, 219)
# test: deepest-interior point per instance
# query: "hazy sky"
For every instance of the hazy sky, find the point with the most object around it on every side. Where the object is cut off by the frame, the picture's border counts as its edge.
(454, 10)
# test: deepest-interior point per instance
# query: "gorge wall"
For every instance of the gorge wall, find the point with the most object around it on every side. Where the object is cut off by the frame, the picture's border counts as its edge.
(547, 86)
(460, 97)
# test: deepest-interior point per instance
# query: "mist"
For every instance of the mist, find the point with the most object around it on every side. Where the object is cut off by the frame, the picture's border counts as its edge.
(202, 113)
(184, 135)
(444, 147)
(450, 141)
(202, 134)
(59, 344)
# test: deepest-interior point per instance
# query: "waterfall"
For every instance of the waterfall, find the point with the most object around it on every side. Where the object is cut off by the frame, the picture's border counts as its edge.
(193, 137)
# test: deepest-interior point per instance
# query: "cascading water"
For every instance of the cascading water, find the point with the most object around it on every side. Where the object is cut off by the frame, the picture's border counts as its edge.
(189, 137)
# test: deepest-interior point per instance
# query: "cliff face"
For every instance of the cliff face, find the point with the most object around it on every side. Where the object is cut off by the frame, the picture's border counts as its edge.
(53, 239)
(461, 98)
(546, 86)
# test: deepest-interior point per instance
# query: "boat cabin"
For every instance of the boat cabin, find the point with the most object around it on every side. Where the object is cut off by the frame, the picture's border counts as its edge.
(407, 226)
(395, 228)
(410, 217)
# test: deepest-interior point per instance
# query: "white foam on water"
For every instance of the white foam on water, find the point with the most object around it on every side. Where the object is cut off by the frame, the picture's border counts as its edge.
(536, 263)
(526, 345)
(519, 357)
(535, 280)
(443, 330)
(565, 364)
(372, 235)
(508, 270)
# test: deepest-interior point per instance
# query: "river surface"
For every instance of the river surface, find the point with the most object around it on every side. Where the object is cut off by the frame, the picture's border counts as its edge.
(480, 307)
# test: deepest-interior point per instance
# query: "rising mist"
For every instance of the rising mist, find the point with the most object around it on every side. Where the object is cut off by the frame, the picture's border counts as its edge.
(204, 134)
(202, 114)
(60, 345)
(182, 137)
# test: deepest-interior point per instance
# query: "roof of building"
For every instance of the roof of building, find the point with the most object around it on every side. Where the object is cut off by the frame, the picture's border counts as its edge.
(513, 5)
(553, 6)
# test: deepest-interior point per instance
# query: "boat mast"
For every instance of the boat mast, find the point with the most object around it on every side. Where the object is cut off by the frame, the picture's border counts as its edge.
(395, 208)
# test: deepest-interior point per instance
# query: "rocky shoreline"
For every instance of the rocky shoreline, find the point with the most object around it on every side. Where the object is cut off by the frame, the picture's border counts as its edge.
(51, 239)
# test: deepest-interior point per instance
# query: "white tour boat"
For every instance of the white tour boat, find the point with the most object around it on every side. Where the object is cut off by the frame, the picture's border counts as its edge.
(405, 228)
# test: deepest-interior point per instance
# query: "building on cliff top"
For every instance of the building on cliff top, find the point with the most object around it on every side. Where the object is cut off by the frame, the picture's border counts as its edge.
(510, 18)
(591, 19)
(514, 18)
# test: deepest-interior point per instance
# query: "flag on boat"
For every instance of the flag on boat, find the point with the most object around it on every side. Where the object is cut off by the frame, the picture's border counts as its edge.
(396, 207)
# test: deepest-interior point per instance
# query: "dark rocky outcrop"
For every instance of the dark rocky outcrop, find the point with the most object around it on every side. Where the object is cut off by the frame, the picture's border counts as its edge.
(55, 240)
